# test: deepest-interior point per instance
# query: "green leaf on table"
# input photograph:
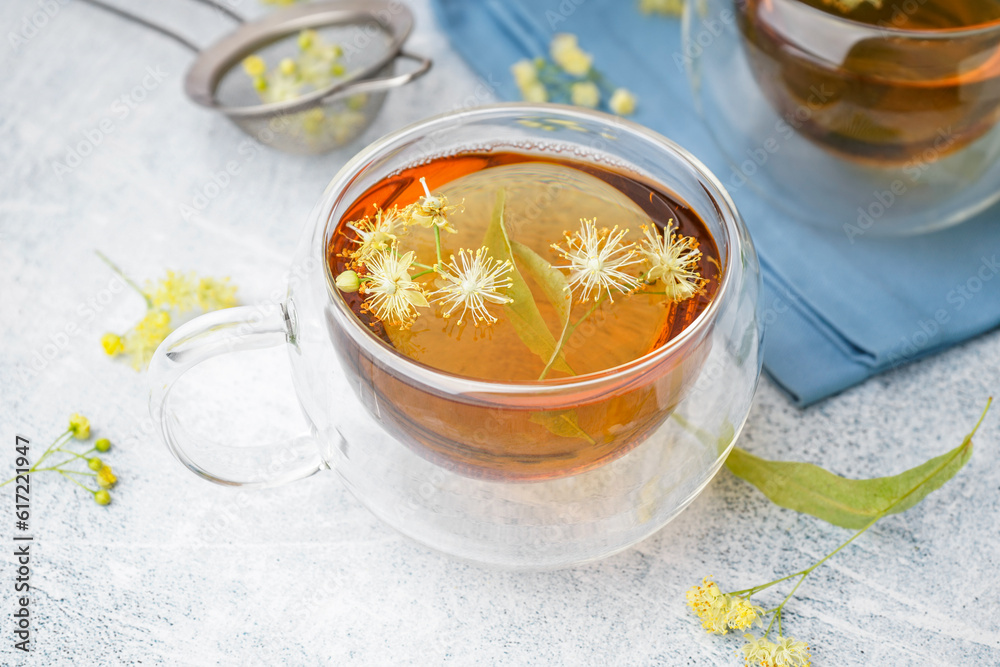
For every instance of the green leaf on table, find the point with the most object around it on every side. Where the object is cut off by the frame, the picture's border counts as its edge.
(523, 311)
(849, 503)
(562, 423)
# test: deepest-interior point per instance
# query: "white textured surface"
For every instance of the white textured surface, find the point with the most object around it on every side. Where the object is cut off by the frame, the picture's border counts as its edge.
(180, 572)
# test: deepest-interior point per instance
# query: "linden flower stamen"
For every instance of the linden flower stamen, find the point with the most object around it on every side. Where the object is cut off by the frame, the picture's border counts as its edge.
(720, 612)
(215, 294)
(764, 653)
(175, 290)
(431, 211)
(470, 282)
(376, 234)
(143, 339)
(673, 259)
(392, 294)
(596, 259)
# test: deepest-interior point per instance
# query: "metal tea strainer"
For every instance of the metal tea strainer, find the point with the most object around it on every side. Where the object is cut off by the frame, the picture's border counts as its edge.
(370, 33)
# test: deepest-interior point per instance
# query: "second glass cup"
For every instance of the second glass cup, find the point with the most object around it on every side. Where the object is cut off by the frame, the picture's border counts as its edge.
(883, 119)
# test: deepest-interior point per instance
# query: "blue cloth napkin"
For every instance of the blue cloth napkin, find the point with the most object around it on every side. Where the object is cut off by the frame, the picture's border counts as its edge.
(836, 313)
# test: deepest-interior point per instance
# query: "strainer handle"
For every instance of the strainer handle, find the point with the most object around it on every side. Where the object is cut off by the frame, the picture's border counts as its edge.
(212, 335)
(156, 27)
(377, 85)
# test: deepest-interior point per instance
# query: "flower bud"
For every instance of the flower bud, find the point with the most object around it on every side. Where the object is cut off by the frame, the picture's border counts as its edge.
(102, 445)
(348, 281)
(102, 497)
(95, 464)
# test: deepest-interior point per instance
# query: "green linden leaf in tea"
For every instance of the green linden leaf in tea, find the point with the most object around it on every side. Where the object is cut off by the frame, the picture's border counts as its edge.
(523, 311)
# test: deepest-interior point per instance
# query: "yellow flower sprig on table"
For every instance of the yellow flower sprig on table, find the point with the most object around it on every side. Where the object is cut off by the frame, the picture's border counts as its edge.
(812, 490)
(101, 473)
(569, 76)
(167, 298)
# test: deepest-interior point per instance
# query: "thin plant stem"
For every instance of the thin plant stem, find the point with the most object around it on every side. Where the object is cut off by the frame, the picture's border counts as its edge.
(71, 472)
(74, 455)
(422, 274)
(121, 274)
(567, 332)
(756, 589)
(89, 490)
(437, 244)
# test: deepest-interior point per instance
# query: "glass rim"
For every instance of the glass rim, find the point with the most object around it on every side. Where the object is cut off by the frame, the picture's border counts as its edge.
(461, 384)
(910, 33)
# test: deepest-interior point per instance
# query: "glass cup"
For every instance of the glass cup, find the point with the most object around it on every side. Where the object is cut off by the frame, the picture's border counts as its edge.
(850, 126)
(464, 465)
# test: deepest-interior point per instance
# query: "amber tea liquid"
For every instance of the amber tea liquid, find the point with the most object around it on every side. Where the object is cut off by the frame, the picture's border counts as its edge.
(507, 437)
(871, 94)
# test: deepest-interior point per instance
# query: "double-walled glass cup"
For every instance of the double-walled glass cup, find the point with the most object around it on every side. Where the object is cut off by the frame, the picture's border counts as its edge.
(854, 127)
(463, 465)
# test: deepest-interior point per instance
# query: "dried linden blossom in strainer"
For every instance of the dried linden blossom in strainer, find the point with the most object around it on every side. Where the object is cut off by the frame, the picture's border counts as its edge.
(317, 66)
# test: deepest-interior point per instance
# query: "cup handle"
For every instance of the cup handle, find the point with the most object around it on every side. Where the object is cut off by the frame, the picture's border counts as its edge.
(205, 337)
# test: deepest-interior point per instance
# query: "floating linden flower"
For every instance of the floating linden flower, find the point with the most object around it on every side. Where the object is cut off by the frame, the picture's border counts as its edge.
(431, 210)
(472, 281)
(376, 234)
(391, 294)
(673, 259)
(596, 259)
